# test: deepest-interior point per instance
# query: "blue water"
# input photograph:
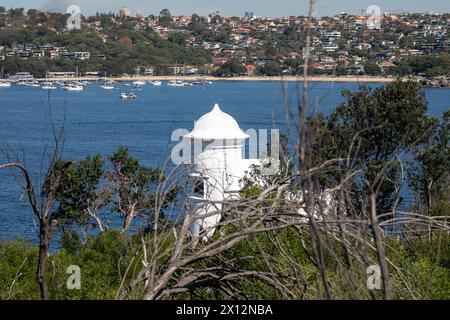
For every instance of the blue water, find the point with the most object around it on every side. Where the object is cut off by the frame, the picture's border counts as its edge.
(97, 121)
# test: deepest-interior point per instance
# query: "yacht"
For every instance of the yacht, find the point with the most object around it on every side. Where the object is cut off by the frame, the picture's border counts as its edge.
(80, 83)
(175, 83)
(48, 86)
(107, 85)
(73, 87)
(139, 83)
(5, 84)
(156, 83)
(201, 82)
(31, 83)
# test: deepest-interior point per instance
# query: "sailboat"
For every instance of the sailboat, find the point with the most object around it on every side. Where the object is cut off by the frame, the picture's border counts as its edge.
(107, 84)
(175, 83)
(48, 85)
(138, 83)
(4, 84)
(73, 87)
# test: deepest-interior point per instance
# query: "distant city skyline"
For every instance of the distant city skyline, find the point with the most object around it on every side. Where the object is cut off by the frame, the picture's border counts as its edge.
(231, 7)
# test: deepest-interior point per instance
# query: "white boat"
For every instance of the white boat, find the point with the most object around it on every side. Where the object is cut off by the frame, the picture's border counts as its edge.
(128, 96)
(156, 83)
(107, 85)
(80, 83)
(48, 87)
(139, 83)
(31, 83)
(73, 87)
(174, 83)
(5, 84)
(201, 82)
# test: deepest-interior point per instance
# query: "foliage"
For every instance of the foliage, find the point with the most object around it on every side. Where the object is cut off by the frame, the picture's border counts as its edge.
(104, 259)
(375, 128)
(429, 174)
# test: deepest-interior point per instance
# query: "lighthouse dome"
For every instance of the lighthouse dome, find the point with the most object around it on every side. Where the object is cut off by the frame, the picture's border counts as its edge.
(216, 125)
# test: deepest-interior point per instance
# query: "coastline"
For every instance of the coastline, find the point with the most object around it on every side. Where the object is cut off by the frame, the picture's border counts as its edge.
(210, 78)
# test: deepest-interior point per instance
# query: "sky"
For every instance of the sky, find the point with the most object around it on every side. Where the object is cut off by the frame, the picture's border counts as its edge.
(268, 8)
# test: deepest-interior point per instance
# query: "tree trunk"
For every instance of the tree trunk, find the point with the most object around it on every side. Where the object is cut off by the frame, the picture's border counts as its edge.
(380, 248)
(129, 218)
(46, 232)
(127, 222)
(96, 217)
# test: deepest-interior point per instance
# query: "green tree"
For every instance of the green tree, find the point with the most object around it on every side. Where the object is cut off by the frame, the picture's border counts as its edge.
(80, 197)
(430, 173)
(372, 69)
(230, 68)
(375, 127)
(131, 185)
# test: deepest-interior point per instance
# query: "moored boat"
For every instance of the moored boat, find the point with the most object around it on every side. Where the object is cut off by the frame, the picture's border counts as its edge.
(127, 96)
(73, 87)
(139, 83)
(107, 85)
(48, 87)
(156, 83)
(5, 84)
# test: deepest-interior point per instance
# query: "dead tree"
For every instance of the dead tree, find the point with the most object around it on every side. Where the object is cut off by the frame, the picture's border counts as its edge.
(47, 222)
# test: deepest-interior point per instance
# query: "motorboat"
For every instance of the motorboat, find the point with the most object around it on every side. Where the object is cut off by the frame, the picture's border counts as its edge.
(31, 83)
(107, 86)
(156, 83)
(73, 87)
(139, 83)
(175, 83)
(49, 87)
(80, 83)
(199, 83)
(5, 84)
(128, 96)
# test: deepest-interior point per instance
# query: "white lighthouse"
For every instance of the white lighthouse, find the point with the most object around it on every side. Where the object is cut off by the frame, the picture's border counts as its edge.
(219, 165)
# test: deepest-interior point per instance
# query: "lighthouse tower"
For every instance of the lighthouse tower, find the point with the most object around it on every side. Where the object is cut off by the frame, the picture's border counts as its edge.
(219, 165)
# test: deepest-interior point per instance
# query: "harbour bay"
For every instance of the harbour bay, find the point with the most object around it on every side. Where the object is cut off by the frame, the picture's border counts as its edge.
(98, 121)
